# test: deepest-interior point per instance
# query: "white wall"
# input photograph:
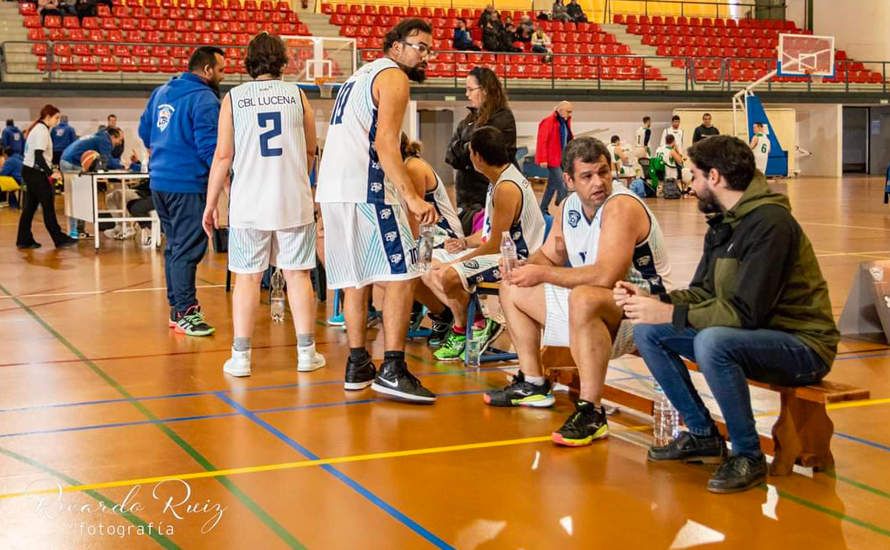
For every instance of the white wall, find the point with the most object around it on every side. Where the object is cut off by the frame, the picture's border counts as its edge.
(819, 131)
(795, 10)
(859, 27)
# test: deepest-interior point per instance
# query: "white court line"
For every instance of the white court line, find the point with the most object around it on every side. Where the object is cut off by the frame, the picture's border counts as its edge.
(88, 292)
(844, 226)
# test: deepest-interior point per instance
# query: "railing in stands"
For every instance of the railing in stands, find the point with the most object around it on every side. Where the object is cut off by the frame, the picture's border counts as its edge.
(724, 10)
(699, 73)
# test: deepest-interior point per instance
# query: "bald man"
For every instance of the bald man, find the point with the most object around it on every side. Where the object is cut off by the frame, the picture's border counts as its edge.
(554, 132)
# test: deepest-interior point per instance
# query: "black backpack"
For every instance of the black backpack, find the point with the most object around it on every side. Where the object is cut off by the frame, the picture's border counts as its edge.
(670, 189)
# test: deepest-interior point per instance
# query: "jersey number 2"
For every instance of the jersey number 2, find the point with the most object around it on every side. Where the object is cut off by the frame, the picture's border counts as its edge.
(340, 104)
(263, 119)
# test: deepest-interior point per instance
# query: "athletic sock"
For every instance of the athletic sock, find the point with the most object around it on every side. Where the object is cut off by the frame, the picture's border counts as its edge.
(358, 355)
(241, 343)
(459, 330)
(397, 356)
(305, 340)
(536, 380)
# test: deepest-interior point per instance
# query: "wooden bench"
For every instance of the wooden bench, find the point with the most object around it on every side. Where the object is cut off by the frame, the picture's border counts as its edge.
(801, 435)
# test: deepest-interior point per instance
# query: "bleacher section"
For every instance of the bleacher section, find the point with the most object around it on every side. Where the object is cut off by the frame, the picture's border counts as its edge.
(728, 49)
(96, 44)
(584, 51)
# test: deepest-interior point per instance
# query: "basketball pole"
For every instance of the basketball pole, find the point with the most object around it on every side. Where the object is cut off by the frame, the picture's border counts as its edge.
(740, 103)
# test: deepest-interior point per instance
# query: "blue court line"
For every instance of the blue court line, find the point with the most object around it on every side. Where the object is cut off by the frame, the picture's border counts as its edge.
(874, 444)
(354, 485)
(456, 372)
(217, 415)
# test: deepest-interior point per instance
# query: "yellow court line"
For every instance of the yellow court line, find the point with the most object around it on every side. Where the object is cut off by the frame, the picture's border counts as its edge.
(835, 406)
(297, 464)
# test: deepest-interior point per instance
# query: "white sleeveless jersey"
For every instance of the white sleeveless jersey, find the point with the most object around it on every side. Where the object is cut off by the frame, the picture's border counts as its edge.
(649, 268)
(350, 169)
(664, 153)
(641, 135)
(270, 182)
(528, 230)
(763, 146)
(678, 137)
(448, 219)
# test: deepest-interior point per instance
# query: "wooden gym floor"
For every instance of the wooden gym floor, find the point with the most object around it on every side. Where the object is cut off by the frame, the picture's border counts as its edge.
(117, 433)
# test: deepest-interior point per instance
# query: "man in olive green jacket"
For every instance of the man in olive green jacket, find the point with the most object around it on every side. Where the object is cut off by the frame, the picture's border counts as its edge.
(756, 308)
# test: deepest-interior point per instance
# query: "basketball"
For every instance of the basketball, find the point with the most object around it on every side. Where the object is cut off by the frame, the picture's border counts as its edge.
(88, 159)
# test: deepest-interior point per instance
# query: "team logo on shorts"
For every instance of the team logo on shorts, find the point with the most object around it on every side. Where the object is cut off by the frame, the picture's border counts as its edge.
(480, 278)
(574, 218)
(376, 187)
(471, 264)
(165, 113)
(395, 258)
(496, 273)
(390, 236)
(643, 261)
(385, 214)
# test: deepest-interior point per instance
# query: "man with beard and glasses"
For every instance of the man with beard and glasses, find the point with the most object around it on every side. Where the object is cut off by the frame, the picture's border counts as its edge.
(757, 307)
(362, 187)
(178, 128)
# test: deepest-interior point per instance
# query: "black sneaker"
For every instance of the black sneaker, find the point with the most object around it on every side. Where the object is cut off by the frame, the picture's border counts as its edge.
(191, 323)
(66, 242)
(691, 448)
(416, 318)
(29, 246)
(359, 375)
(586, 424)
(440, 327)
(520, 393)
(394, 381)
(738, 473)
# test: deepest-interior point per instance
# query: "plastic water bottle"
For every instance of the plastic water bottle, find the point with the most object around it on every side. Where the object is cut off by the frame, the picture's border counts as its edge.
(665, 422)
(425, 247)
(508, 253)
(276, 297)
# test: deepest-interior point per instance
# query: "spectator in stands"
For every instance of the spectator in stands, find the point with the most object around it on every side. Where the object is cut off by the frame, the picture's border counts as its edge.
(36, 173)
(12, 169)
(576, 13)
(487, 16)
(462, 39)
(509, 39)
(674, 130)
(554, 132)
(491, 37)
(558, 12)
(757, 307)
(526, 29)
(705, 129)
(85, 8)
(488, 107)
(541, 44)
(13, 138)
(63, 135)
(48, 7)
(542, 16)
(179, 129)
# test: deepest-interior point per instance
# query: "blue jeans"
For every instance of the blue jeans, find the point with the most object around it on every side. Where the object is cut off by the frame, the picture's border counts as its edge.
(181, 215)
(556, 186)
(726, 357)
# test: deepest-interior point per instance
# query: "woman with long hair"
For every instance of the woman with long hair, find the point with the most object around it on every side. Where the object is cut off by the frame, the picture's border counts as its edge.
(36, 173)
(488, 107)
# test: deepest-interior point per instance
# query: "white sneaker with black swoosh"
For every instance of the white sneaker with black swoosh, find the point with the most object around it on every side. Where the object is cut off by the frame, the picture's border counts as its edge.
(395, 382)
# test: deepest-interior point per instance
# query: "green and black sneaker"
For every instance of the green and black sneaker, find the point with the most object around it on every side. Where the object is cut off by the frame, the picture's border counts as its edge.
(586, 424)
(521, 393)
(192, 323)
(452, 348)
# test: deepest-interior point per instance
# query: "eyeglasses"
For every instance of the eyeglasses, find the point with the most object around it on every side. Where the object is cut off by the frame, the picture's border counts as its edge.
(472, 89)
(421, 48)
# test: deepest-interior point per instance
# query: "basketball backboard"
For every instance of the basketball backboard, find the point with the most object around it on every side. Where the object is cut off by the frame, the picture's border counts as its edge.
(804, 54)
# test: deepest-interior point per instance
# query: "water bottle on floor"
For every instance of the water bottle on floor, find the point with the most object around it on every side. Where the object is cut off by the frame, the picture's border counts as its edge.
(508, 253)
(665, 421)
(425, 247)
(276, 297)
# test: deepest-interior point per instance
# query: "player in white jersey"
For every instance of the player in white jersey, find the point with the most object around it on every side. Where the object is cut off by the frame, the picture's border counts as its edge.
(510, 206)
(621, 167)
(760, 145)
(671, 158)
(673, 130)
(642, 137)
(266, 138)
(605, 234)
(362, 187)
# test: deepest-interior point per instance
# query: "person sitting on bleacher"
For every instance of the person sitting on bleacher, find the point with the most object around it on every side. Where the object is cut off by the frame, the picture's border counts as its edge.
(576, 13)
(11, 168)
(510, 207)
(604, 234)
(757, 307)
(462, 39)
(558, 12)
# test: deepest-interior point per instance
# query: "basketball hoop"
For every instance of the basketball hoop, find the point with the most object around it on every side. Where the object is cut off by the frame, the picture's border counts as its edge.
(324, 88)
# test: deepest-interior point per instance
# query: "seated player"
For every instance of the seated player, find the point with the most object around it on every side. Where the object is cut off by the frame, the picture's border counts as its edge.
(620, 159)
(605, 234)
(510, 206)
(429, 185)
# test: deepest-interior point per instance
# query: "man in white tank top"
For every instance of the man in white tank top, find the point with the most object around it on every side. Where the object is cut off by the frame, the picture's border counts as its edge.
(510, 206)
(362, 185)
(760, 145)
(266, 138)
(605, 234)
